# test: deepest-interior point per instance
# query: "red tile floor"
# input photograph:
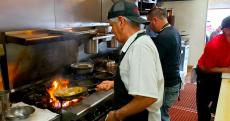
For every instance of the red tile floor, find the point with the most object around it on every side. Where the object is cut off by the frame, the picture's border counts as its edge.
(185, 108)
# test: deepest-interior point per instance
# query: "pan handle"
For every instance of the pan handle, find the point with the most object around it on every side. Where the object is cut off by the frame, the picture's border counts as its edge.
(89, 86)
(91, 90)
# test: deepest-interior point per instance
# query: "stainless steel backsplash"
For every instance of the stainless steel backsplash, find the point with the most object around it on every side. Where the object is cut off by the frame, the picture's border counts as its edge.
(28, 64)
(24, 14)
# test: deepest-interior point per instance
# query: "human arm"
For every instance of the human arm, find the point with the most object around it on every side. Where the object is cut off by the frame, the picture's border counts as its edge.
(217, 69)
(138, 104)
(105, 85)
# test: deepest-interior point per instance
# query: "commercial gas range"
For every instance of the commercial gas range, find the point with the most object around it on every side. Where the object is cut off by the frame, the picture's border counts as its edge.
(92, 107)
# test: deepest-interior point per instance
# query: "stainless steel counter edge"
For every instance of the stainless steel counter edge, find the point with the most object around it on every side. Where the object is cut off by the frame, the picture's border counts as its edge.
(107, 37)
(89, 102)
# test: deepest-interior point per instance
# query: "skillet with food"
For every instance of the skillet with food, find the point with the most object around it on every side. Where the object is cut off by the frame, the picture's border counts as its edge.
(72, 92)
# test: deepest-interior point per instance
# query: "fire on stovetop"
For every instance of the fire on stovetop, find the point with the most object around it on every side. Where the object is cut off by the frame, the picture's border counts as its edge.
(57, 84)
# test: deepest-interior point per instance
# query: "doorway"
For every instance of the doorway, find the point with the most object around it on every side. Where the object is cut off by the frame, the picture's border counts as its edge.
(217, 11)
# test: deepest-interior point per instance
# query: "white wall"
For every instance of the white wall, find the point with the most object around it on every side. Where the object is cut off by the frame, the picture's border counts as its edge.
(190, 16)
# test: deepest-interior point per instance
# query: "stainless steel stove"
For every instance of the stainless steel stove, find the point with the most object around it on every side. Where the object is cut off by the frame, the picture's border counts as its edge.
(93, 107)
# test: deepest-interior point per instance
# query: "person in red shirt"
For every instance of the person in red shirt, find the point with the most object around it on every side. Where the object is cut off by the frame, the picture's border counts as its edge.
(214, 61)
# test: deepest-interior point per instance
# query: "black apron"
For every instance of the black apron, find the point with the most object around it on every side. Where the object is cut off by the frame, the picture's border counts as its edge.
(121, 96)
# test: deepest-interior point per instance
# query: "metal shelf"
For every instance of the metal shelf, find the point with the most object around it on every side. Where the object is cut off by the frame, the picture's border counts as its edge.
(31, 37)
(81, 30)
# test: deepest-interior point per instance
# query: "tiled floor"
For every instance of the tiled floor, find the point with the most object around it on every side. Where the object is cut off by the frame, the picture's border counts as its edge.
(185, 108)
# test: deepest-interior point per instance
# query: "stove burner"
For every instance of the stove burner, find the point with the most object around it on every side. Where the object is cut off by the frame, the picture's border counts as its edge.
(37, 94)
(94, 107)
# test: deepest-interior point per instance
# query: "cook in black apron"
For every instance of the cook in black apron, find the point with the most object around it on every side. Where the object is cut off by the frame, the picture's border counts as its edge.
(121, 96)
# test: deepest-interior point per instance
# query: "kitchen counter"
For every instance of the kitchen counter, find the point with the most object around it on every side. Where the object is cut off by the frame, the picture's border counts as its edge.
(38, 115)
(91, 108)
(223, 105)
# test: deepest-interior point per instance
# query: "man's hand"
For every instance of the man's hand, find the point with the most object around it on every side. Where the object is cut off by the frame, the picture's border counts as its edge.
(227, 70)
(105, 85)
(217, 70)
(112, 116)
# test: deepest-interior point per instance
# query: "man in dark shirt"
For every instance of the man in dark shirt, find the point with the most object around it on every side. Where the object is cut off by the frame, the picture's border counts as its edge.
(168, 43)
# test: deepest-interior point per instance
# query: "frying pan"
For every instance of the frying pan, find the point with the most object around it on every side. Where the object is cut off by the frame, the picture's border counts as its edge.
(82, 68)
(101, 76)
(72, 93)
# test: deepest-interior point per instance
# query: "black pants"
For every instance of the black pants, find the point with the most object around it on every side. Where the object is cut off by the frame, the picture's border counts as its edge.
(208, 87)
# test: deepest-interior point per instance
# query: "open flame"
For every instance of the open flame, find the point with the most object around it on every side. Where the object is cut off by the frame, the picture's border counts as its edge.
(58, 84)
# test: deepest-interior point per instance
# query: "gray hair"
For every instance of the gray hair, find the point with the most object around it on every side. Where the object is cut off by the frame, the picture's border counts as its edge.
(128, 20)
(158, 12)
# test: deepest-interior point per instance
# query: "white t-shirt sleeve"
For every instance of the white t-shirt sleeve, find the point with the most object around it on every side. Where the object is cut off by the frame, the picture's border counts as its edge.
(143, 73)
